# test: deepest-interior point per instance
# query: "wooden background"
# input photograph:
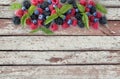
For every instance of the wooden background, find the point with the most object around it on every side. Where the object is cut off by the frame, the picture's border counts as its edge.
(69, 54)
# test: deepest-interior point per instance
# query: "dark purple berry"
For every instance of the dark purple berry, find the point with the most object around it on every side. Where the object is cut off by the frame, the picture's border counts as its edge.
(16, 20)
(103, 20)
(26, 4)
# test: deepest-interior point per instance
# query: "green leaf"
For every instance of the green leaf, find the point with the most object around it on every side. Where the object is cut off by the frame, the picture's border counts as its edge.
(58, 11)
(85, 20)
(51, 18)
(65, 8)
(31, 10)
(15, 6)
(45, 30)
(101, 8)
(81, 8)
(23, 19)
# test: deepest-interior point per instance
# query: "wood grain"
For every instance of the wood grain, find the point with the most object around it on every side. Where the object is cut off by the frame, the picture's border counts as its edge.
(59, 57)
(60, 72)
(60, 43)
(104, 2)
(113, 13)
(8, 28)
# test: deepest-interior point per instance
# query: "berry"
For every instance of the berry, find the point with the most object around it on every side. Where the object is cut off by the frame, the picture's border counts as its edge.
(78, 16)
(54, 27)
(91, 2)
(89, 6)
(34, 2)
(40, 1)
(63, 1)
(49, 1)
(36, 12)
(34, 17)
(59, 6)
(70, 1)
(23, 8)
(69, 21)
(95, 14)
(99, 15)
(65, 25)
(59, 21)
(87, 9)
(33, 26)
(40, 22)
(47, 9)
(46, 13)
(96, 20)
(92, 10)
(95, 25)
(26, 4)
(55, 1)
(76, 10)
(74, 4)
(40, 17)
(68, 16)
(83, 2)
(88, 13)
(48, 25)
(44, 5)
(80, 24)
(16, 20)
(74, 22)
(51, 8)
(19, 13)
(53, 12)
(40, 10)
(34, 21)
(28, 21)
(103, 20)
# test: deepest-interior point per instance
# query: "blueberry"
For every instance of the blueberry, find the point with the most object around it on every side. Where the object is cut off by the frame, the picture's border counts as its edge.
(26, 4)
(23, 8)
(96, 20)
(16, 20)
(92, 10)
(95, 14)
(49, 1)
(70, 1)
(89, 6)
(34, 21)
(88, 13)
(46, 13)
(36, 12)
(76, 10)
(47, 9)
(78, 16)
(103, 20)
(80, 24)
(59, 21)
(34, 17)
(69, 21)
(63, 1)
(41, 17)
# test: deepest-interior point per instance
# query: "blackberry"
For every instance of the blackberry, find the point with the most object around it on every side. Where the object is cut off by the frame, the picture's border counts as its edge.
(74, 4)
(80, 24)
(44, 5)
(26, 4)
(16, 20)
(63, 1)
(70, 1)
(48, 25)
(103, 20)
(34, 17)
(92, 10)
(46, 13)
(78, 16)
(59, 21)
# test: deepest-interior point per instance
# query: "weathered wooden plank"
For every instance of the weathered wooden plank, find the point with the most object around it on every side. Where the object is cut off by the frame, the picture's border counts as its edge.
(59, 57)
(104, 2)
(8, 28)
(60, 72)
(60, 43)
(113, 13)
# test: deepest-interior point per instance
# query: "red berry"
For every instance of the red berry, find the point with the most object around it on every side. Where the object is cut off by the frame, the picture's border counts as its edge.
(19, 13)
(26, 12)
(28, 21)
(53, 12)
(40, 10)
(99, 15)
(54, 27)
(33, 26)
(65, 25)
(75, 22)
(68, 16)
(34, 2)
(59, 6)
(92, 18)
(40, 1)
(83, 2)
(51, 7)
(55, 1)
(90, 23)
(73, 12)
(87, 9)
(91, 2)
(95, 25)
(40, 22)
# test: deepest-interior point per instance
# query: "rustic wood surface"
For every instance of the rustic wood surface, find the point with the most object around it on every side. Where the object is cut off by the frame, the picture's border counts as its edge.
(71, 53)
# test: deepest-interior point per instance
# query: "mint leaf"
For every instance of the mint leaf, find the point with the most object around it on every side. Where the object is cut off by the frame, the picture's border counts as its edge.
(65, 8)
(45, 30)
(16, 6)
(31, 10)
(85, 20)
(58, 11)
(23, 19)
(81, 8)
(101, 8)
(51, 18)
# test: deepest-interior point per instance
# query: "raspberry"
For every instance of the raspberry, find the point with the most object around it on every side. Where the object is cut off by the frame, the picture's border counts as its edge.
(73, 12)
(59, 21)
(53, 12)
(40, 22)
(87, 9)
(55, 1)
(92, 18)
(95, 25)
(26, 4)
(74, 22)
(28, 21)
(40, 1)
(34, 2)
(33, 26)
(65, 25)
(98, 15)
(63, 1)
(19, 13)
(16, 20)
(80, 24)
(91, 2)
(40, 10)
(83, 2)
(54, 27)
(59, 6)
(103, 20)
(51, 8)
